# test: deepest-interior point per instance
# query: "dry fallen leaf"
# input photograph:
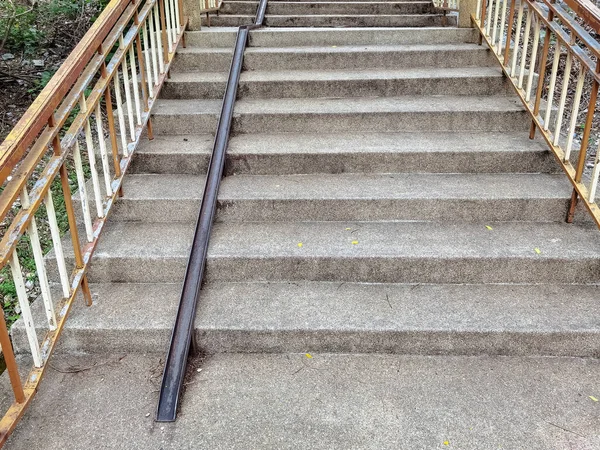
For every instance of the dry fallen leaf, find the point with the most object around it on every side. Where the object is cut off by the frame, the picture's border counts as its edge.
(489, 228)
(300, 244)
(593, 398)
(309, 356)
(537, 250)
(354, 242)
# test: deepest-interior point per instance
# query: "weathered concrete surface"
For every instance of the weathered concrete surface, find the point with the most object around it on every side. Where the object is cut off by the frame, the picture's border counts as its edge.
(340, 83)
(325, 402)
(425, 319)
(305, 153)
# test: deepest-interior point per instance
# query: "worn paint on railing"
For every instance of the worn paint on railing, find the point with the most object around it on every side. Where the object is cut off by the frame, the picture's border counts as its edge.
(546, 23)
(35, 154)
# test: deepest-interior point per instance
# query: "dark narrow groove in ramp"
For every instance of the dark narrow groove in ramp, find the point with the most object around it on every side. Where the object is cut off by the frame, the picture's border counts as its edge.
(181, 339)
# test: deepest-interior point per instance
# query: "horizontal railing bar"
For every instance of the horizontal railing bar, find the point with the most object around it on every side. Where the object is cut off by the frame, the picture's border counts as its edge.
(588, 11)
(42, 108)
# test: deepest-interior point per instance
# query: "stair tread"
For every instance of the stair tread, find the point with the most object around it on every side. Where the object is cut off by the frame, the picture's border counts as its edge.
(352, 186)
(377, 307)
(375, 239)
(367, 48)
(405, 240)
(341, 75)
(284, 143)
(325, 402)
(343, 105)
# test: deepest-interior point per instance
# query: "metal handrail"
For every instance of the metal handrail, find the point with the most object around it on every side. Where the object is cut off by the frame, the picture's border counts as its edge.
(183, 330)
(502, 29)
(128, 50)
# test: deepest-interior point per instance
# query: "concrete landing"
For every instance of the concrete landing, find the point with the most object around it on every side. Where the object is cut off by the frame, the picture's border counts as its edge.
(324, 402)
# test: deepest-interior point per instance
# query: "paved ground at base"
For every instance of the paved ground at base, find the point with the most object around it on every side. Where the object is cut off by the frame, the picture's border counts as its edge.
(324, 402)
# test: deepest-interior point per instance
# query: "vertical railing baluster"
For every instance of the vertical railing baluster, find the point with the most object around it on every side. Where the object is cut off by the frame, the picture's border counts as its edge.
(103, 152)
(595, 175)
(147, 59)
(10, 361)
(120, 114)
(513, 65)
(524, 51)
(563, 98)
(511, 18)
(552, 86)
(34, 344)
(501, 30)
(125, 72)
(58, 250)
(534, 50)
(174, 27)
(89, 141)
(136, 88)
(488, 25)
(575, 112)
(38, 256)
(166, 23)
(162, 51)
(153, 47)
(85, 207)
(541, 78)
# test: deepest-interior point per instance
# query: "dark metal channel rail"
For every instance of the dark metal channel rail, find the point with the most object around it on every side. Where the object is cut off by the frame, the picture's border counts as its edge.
(183, 330)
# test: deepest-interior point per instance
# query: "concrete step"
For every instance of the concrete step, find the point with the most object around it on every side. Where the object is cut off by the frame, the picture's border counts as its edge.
(340, 83)
(412, 252)
(399, 252)
(315, 37)
(200, 59)
(295, 153)
(344, 57)
(408, 113)
(338, 20)
(290, 401)
(246, 198)
(422, 319)
(330, 8)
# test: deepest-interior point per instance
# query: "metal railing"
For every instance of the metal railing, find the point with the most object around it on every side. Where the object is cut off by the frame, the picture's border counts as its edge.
(87, 120)
(560, 96)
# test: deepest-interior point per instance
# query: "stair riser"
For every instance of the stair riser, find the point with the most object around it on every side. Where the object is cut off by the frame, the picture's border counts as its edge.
(342, 88)
(370, 162)
(186, 210)
(403, 270)
(171, 269)
(315, 123)
(148, 340)
(336, 60)
(330, 8)
(584, 344)
(327, 37)
(338, 21)
(376, 59)
(202, 62)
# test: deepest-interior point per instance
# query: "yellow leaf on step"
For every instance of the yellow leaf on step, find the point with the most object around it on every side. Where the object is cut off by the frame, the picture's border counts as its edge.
(489, 228)
(309, 356)
(354, 242)
(537, 250)
(300, 244)
(446, 443)
(593, 398)
(348, 228)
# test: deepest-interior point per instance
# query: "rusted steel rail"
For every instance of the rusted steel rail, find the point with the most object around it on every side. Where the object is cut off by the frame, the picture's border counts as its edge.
(523, 55)
(80, 116)
(182, 336)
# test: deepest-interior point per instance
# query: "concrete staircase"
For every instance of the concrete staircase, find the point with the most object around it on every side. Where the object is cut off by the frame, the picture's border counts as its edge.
(303, 13)
(381, 196)
(391, 202)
